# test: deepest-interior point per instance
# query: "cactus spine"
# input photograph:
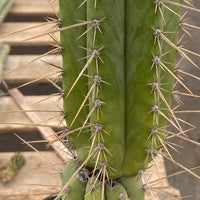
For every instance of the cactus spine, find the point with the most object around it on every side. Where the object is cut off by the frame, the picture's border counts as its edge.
(115, 70)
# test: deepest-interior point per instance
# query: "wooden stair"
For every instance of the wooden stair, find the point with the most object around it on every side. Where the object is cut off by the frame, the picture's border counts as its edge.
(38, 178)
(33, 71)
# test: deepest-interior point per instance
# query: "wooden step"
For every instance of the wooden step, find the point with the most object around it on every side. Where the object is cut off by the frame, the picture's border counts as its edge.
(18, 121)
(32, 71)
(36, 7)
(37, 179)
(18, 38)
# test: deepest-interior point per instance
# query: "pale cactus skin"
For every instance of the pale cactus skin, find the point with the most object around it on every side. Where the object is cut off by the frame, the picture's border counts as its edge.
(115, 91)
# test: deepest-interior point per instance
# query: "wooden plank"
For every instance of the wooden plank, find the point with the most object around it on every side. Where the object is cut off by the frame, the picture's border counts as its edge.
(18, 121)
(36, 7)
(18, 38)
(32, 71)
(46, 132)
(37, 179)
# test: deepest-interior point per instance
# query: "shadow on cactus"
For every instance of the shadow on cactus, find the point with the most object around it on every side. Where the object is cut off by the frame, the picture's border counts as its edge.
(120, 73)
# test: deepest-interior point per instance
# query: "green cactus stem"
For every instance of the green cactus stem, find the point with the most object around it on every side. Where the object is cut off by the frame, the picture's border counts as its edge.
(144, 77)
(117, 191)
(133, 187)
(4, 51)
(5, 5)
(9, 172)
(77, 186)
(93, 190)
(118, 80)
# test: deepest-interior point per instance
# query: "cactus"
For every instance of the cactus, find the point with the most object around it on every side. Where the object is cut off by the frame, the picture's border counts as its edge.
(9, 172)
(5, 5)
(113, 94)
(119, 74)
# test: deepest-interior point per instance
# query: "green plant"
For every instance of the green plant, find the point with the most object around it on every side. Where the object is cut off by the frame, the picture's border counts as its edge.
(4, 51)
(119, 74)
(9, 172)
(5, 5)
(126, 54)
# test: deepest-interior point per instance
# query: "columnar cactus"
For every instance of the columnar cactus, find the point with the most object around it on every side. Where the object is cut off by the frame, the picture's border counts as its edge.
(119, 73)
(118, 77)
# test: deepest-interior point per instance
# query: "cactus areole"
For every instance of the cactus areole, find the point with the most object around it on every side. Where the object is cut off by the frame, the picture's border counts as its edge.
(118, 77)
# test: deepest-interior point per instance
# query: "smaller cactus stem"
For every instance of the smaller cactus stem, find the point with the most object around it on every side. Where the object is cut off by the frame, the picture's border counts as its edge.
(134, 186)
(4, 49)
(116, 192)
(77, 183)
(9, 172)
(93, 190)
(65, 186)
(5, 5)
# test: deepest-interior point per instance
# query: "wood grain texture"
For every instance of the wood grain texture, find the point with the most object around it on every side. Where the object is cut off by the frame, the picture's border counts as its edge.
(8, 121)
(32, 71)
(47, 133)
(18, 38)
